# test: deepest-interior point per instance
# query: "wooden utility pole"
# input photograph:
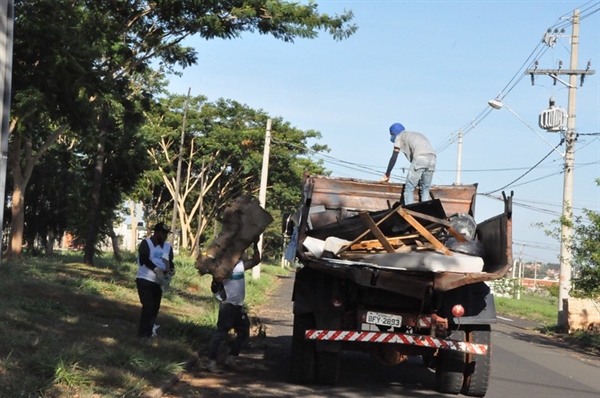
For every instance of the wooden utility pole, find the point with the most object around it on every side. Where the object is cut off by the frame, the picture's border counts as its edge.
(569, 160)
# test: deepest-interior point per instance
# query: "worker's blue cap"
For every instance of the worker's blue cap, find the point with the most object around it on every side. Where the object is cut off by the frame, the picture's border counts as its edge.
(396, 129)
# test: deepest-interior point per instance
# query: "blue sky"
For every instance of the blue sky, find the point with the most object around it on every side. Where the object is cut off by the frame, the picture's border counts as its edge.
(432, 66)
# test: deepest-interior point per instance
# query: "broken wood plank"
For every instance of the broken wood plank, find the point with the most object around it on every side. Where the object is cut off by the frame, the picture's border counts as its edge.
(445, 223)
(423, 231)
(374, 243)
(343, 249)
(376, 231)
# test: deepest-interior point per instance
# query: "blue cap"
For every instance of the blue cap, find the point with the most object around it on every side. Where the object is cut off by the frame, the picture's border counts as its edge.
(396, 129)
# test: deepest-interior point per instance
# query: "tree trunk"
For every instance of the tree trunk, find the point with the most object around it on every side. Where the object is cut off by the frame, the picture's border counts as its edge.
(50, 244)
(17, 223)
(94, 209)
(22, 161)
(115, 244)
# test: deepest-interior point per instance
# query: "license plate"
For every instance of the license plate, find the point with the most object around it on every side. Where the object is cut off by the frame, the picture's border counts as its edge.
(379, 318)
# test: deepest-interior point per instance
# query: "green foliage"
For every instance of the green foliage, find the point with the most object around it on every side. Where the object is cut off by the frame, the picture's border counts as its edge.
(552, 290)
(222, 159)
(585, 249)
(586, 254)
(83, 79)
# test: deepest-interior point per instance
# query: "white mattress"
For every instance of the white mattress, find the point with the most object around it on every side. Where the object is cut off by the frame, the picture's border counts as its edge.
(427, 261)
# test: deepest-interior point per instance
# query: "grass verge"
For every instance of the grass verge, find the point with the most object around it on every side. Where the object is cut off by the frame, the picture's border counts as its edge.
(544, 310)
(68, 329)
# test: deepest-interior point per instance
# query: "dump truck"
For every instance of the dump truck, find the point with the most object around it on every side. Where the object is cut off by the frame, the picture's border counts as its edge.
(395, 280)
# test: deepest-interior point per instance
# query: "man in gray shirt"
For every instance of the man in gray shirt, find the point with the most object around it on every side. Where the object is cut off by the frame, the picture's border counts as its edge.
(421, 156)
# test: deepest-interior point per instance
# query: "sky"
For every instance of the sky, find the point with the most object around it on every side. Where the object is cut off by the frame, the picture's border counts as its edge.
(432, 66)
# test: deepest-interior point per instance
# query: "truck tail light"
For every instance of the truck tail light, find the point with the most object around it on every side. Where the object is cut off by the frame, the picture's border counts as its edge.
(458, 310)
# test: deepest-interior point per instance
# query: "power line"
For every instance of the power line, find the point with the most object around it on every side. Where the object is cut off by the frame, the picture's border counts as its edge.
(527, 172)
(535, 55)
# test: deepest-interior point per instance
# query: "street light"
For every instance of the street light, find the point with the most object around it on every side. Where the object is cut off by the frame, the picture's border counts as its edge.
(499, 105)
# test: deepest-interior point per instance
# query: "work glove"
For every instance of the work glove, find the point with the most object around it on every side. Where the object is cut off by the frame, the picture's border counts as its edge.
(218, 290)
(160, 275)
(214, 286)
(385, 179)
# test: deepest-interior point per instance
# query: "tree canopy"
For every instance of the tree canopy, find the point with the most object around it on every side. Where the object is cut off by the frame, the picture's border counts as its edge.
(85, 75)
(222, 159)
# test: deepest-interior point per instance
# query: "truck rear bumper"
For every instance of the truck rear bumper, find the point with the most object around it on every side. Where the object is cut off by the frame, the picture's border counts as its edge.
(396, 338)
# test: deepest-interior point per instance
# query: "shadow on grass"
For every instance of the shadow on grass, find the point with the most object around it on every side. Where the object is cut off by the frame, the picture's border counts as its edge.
(68, 328)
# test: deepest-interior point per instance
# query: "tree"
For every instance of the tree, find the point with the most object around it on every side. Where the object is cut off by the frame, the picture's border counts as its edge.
(223, 159)
(586, 254)
(42, 99)
(585, 248)
(76, 61)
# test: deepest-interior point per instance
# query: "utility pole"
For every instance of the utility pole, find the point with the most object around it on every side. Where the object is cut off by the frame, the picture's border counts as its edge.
(520, 274)
(262, 195)
(459, 157)
(569, 158)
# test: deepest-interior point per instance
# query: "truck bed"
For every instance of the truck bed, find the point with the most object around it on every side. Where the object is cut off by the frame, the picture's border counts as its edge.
(332, 208)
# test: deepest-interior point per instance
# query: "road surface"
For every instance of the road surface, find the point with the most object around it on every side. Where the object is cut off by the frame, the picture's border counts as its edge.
(524, 364)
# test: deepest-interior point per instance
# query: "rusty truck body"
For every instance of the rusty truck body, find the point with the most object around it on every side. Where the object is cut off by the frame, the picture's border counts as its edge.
(396, 281)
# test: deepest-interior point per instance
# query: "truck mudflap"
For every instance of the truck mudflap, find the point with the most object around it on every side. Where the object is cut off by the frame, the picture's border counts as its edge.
(396, 338)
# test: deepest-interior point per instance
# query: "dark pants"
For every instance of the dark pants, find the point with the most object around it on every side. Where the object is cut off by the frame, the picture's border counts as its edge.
(230, 316)
(150, 295)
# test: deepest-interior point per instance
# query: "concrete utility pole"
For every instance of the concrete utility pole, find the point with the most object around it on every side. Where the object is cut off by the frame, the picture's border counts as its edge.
(459, 157)
(262, 195)
(570, 138)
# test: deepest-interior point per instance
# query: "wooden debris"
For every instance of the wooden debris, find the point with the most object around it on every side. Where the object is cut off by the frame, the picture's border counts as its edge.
(404, 243)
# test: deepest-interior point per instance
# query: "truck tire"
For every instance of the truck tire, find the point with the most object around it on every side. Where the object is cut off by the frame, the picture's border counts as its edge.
(477, 371)
(302, 366)
(450, 368)
(328, 367)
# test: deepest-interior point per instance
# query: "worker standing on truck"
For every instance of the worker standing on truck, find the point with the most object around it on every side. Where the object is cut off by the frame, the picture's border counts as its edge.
(421, 156)
(232, 314)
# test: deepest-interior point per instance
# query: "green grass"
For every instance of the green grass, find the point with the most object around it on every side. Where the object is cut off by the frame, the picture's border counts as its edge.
(535, 308)
(68, 329)
(544, 310)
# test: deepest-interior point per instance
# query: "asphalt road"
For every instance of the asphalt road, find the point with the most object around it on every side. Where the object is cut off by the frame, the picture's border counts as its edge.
(524, 364)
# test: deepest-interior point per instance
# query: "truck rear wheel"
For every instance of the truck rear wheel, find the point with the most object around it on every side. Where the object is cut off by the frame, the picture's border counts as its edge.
(450, 368)
(303, 351)
(477, 371)
(328, 367)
